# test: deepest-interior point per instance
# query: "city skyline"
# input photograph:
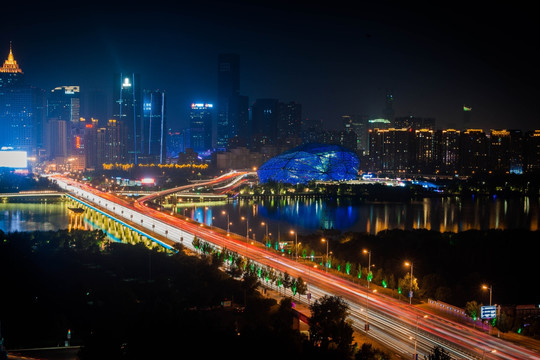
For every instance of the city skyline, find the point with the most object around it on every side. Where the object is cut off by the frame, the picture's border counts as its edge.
(332, 60)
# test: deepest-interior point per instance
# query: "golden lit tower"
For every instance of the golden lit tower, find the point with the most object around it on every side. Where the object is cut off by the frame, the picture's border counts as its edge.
(10, 72)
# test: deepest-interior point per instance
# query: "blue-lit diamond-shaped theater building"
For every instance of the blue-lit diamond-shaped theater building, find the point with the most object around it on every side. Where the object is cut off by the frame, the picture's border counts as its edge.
(318, 162)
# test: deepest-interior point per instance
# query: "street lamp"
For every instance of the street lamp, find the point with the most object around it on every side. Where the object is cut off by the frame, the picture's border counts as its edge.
(410, 287)
(265, 224)
(226, 213)
(295, 244)
(247, 227)
(416, 335)
(490, 288)
(326, 263)
(369, 265)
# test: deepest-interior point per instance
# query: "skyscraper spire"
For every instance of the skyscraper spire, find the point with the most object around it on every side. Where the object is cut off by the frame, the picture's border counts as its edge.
(10, 65)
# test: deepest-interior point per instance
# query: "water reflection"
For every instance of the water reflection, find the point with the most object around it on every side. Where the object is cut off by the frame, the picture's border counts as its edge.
(452, 214)
(39, 216)
(282, 215)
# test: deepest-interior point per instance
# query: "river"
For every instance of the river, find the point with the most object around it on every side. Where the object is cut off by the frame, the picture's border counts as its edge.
(304, 216)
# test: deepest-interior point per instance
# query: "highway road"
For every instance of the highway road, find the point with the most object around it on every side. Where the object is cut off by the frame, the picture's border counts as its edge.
(402, 327)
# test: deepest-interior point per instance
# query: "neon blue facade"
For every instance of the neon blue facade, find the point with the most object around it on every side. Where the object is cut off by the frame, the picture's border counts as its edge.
(309, 162)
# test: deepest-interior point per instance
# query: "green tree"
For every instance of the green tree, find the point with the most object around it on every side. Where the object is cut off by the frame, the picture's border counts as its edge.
(330, 328)
(472, 309)
(405, 284)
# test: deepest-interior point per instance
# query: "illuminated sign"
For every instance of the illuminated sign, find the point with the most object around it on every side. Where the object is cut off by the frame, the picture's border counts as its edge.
(78, 142)
(13, 159)
(488, 312)
(466, 108)
(126, 83)
(147, 181)
(201, 106)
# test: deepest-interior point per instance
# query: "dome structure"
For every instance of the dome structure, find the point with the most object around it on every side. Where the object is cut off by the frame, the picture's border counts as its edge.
(309, 162)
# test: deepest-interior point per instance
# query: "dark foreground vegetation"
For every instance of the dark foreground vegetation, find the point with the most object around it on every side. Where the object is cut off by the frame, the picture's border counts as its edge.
(128, 302)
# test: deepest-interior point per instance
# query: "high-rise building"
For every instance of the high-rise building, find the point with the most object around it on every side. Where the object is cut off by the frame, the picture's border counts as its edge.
(424, 152)
(238, 119)
(200, 125)
(10, 73)
(499, 151)
(474, 149)
(127, 109)
(21, 109)
(114, 144)
(532, 151)
(289, 121)
(264, 122)
(154, 130)
(63, 104)
(517, 149)
(391, 150)
(56, 139)
(176, 142)
(446, 147)
(359, 125)
(389, 112)
(228, 85)
(90, 142)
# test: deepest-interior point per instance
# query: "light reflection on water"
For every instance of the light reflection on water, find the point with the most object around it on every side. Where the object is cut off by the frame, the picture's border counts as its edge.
(309, 215)
(42, 216)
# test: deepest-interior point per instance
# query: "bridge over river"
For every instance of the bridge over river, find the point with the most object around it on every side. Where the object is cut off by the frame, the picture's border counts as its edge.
(403, 327)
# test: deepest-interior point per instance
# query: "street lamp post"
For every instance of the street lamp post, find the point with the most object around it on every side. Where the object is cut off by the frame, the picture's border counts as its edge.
(228, 223)
(265, 224)
(369, 266)
(416, 336)
(411, 282)
(247, 227)
(326, 262)
(490, 288)
(295, 244)
(367, 293)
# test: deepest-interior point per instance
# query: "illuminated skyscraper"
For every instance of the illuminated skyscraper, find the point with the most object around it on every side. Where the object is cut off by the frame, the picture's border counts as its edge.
(447, 151)
(474, 147)
(391, 150)
(228, 85)
(127, 109)
(200, 126)
(21, 109)
(154, 130)
(424, 142)
(63, 104)
(10, 73)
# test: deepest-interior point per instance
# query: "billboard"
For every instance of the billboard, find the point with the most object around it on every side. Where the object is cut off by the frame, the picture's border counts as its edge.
(13, 159)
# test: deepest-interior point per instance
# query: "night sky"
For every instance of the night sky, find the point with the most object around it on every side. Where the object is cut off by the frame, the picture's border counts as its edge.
(332, 58)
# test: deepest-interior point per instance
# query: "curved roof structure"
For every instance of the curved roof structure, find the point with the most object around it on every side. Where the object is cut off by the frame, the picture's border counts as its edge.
(309, 162)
